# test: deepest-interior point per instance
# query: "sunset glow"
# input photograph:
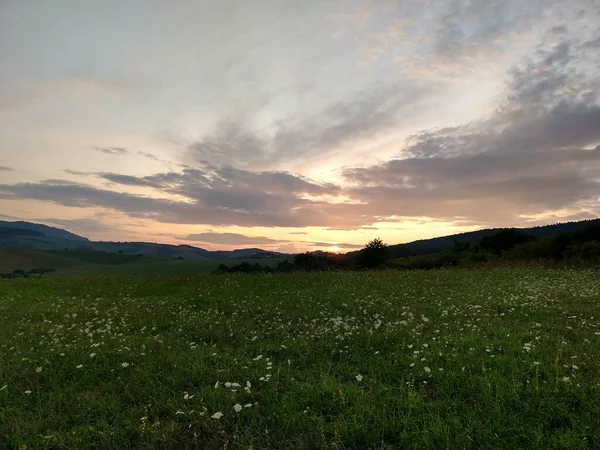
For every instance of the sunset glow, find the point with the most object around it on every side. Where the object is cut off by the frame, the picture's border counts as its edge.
(288, 125)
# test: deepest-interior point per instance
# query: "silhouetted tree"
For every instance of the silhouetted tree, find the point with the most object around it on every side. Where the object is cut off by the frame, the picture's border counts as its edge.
(374, 255)
(310, 261)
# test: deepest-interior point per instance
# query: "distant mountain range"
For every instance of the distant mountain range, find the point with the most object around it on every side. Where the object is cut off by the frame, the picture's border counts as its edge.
(33, 236)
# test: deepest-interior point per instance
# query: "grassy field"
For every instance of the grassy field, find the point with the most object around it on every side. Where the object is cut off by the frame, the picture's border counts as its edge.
(506, 358)
(11, 259)
(151, 266)
(83, 263)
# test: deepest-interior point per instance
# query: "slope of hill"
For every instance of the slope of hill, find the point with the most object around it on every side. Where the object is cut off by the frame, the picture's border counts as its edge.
(439, 244)
(45, 230)
(41, 237)
(8, 231)
(31, 236)
(12, 259)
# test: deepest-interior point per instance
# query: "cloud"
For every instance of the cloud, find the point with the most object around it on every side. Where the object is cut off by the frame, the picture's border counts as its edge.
(77, 172)
(538, 152)
(218, 184)
(130, 180)
(112, 150)
(148, 155)
(341, 122)
(214, 196)
(230, 239)
(6, 169)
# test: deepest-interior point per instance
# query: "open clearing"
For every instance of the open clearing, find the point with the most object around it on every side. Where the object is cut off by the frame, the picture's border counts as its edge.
(505, 358)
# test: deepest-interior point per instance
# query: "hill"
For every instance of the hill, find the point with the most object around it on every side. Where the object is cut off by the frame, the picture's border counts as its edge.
(439, 244)
(30, 236)
(33, 236)
(80, 263)
(12, 259)
(43, 230)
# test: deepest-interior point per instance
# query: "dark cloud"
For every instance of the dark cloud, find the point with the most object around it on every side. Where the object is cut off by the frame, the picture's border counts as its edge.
(148, 155)
(469, 31)
(112, 150)
(537, 153)
(77, 172)
(230, 239)
(229, 187)
(130, 180)
(221, 197)
(5, 169)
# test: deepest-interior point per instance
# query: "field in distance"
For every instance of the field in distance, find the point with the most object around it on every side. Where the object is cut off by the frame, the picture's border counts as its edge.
(84, 263)
(504, 358)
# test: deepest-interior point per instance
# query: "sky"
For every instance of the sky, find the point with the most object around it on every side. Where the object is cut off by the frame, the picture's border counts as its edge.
(298, 125)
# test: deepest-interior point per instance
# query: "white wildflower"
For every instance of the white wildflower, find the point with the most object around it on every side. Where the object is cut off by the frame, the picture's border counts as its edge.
(359, 377)
(217, 415)
(124, 365)
(237, 407)
(427, 369)
(38, 370)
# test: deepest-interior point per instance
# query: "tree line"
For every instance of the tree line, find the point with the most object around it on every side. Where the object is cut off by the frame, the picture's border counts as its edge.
(508, 246)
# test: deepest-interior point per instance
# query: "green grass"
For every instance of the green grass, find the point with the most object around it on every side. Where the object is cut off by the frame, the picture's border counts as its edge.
(97, 257)
(151, 266)
(11, 259)
(505, 358)
(83, 263)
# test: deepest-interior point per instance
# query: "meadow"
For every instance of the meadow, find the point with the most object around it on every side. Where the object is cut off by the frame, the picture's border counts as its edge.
(496, 358)
(93, 264)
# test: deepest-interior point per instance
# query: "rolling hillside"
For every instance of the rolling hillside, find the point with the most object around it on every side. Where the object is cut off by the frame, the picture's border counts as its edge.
(41, 230)
(30, 236)
(13, 259)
